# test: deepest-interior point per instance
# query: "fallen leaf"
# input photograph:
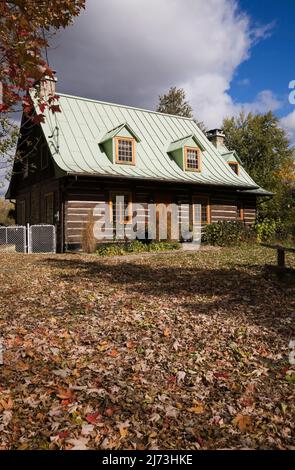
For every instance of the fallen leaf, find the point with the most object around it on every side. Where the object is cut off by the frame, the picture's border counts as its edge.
(243, 422)
(198, 409)
(79, 444)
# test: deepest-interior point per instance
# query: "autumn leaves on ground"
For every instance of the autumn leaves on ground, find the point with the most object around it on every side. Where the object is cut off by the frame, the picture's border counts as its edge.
(180, 351)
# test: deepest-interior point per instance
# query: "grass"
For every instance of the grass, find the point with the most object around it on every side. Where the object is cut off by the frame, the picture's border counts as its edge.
(175, 351)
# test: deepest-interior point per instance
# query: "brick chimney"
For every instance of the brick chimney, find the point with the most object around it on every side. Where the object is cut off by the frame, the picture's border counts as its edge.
(48, 86)
(217, 137)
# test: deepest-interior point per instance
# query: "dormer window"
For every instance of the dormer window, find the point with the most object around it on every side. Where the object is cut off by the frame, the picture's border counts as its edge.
(234, 166)
(187, 153)
(192, 158)
(125, 150)
(120, 145)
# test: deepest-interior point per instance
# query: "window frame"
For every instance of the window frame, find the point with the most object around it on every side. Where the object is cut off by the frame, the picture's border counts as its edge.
(208, 208)
(237, 167)
(113, 194)
(129, 139)
(198, 151)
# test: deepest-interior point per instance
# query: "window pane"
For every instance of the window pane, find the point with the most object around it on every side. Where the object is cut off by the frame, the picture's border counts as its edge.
(200, 211)
(125, 150)
(192, 160)
(234, 167)
(121, 208)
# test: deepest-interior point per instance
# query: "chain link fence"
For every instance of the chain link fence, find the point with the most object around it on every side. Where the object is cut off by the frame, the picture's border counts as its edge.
(13, 239)
(30, 239)
(41, 239)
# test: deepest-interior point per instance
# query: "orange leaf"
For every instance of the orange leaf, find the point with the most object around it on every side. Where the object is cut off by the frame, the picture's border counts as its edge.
(243, 422)
(123, 432)
(198, 409)
(7, 405)
(113, 353)
(65, 394)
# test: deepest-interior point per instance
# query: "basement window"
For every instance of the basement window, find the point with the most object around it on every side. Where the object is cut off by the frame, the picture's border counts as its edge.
(235, 167)
(192, 159)
(125, 151)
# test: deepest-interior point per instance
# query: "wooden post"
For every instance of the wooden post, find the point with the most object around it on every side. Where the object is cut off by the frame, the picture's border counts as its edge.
(281, 258)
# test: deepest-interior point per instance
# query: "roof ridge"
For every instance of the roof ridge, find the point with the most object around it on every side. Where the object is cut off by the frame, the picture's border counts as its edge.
(123, 106)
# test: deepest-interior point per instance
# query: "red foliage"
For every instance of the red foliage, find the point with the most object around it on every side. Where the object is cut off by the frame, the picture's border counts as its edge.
(24, 25)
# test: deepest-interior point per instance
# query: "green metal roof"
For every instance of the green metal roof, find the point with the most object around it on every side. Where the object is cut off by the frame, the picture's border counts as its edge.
(74, 136)
(180, 143)
(258, 192)
(114, 132)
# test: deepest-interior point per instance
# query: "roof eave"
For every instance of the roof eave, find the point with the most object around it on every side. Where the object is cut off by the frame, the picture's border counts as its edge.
(162, 180)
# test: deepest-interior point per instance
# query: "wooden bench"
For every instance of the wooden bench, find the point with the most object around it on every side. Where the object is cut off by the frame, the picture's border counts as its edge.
(281, 250)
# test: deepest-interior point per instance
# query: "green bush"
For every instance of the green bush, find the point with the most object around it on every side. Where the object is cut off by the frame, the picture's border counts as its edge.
(225, 233)
(266, 229)
(136, 246)
(285, 232)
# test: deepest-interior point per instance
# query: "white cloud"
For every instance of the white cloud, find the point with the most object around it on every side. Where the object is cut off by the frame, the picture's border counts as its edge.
(132, 51)
(288, 123)
(244, 82)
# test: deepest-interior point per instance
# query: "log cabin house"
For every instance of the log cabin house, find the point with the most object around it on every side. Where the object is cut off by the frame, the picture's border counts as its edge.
(93, 151)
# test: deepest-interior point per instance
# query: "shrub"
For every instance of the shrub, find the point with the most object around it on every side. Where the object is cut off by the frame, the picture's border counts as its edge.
(285, 231)
(163, 246)
(225, 233)
(136, 246)
(7, 213)
(266, 229)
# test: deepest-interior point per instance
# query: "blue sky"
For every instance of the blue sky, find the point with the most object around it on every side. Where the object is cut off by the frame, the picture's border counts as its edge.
(271, 64)
(228, 55)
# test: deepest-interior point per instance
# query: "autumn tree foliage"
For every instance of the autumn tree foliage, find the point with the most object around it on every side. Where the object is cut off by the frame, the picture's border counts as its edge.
(268, 156)
(25, 29)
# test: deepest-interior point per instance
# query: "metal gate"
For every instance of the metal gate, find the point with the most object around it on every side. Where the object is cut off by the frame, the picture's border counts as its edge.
(29, 239)
(41, 239)
(13, 239)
